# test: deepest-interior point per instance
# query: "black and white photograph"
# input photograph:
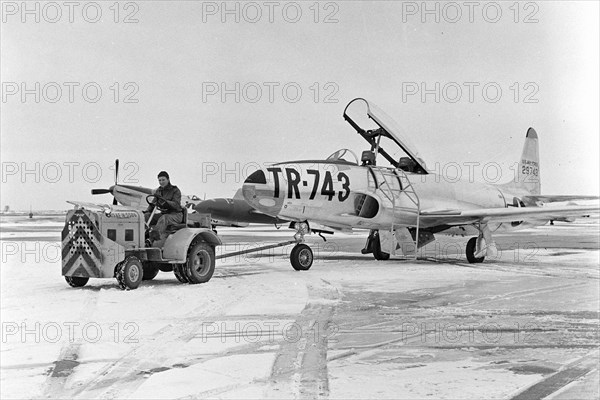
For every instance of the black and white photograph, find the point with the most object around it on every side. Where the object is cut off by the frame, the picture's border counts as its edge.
(355, 199)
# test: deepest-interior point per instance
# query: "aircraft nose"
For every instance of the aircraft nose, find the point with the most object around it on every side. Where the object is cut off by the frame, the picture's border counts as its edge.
(259, 192)
(249, 187)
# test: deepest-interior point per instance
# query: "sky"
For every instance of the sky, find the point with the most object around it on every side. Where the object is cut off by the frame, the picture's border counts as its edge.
(210, 91)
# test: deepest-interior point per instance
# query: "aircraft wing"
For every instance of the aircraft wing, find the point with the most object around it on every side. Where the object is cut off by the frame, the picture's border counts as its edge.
(316, 227)
(533, 199)
(461, 217)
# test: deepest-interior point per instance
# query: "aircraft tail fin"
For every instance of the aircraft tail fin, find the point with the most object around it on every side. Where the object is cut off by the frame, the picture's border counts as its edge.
(528, 174)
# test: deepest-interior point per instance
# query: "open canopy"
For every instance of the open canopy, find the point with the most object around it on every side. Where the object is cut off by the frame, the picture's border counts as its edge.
(382, 133)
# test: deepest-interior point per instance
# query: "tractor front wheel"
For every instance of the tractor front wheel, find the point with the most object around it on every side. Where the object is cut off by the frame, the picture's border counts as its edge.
(129, 273)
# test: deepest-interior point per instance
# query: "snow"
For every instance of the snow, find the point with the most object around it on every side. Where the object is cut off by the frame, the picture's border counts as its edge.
(225, 372)
(436, 380)
(259, 329)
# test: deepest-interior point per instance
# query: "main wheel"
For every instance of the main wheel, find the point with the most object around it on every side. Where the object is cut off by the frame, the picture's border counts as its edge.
(301, 257)
(377, 253)
(130, 273)
(76, 281)
(150, 271)
(179, 271)
(200, 264)
(471, 249)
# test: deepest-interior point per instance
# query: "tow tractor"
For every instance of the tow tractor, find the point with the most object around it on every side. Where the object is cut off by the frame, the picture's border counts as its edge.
(102, 241)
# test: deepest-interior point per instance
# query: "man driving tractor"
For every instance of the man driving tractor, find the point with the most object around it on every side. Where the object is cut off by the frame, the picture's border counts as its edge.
(168, 200)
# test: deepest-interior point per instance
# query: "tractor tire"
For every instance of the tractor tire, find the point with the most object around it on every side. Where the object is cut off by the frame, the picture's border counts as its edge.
(301, 257)
(179, 271)
(150, 271)
(200, 264)
(130, 273)
(165, 267)
(76, 281)
(376, 246)
(471, 248)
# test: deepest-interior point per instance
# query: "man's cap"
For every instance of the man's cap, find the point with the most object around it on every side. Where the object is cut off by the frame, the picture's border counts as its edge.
(164, 173)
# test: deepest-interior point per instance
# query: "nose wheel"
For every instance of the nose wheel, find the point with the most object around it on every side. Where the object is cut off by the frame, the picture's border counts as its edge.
(301, 257)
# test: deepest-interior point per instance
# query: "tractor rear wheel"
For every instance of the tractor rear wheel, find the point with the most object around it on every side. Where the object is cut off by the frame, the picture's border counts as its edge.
(200, 264)
(179, 271)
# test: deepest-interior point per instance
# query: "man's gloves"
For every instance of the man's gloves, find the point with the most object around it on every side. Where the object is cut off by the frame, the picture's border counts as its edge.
(162, 203)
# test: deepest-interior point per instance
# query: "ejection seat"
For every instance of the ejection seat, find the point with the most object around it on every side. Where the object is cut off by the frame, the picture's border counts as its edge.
(367, 158)
(406, 164)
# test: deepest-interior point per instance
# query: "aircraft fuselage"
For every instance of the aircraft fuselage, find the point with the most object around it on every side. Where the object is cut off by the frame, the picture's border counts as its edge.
(343, 194)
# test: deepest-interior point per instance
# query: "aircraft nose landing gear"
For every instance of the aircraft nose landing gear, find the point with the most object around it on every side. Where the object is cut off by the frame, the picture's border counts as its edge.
(301, 256)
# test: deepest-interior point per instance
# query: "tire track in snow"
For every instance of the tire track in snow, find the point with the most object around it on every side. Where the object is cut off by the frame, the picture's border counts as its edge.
(300, 369)
(54, 386)
(122, 377)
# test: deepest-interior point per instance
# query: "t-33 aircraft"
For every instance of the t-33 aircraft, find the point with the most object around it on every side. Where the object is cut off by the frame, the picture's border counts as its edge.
(402, 205)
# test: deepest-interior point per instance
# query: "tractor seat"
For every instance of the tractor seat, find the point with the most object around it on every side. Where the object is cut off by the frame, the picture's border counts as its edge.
(175, 227)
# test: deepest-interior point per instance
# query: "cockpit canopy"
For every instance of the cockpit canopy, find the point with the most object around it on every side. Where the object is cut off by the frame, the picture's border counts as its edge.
(384, 136)
(343, 155)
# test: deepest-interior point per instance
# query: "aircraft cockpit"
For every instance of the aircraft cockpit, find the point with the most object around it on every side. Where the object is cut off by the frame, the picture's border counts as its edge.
(346, 155)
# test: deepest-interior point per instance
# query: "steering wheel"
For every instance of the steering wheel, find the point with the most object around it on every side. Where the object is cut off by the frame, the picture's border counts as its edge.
(151, 199)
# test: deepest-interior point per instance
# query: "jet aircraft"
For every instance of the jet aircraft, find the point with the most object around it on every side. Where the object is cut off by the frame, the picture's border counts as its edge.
(402, 205)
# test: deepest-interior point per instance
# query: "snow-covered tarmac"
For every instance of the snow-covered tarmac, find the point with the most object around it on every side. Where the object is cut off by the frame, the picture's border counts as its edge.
(524, 325)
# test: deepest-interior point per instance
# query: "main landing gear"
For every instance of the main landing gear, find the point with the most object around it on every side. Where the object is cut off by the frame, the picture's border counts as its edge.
(373, 245)
(472, 245)
(480, 246)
